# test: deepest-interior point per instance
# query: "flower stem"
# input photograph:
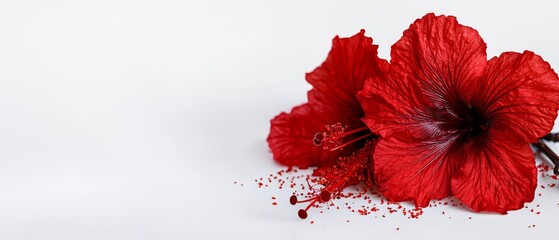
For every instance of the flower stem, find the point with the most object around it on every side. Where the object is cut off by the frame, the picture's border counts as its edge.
(552, 156)
(554, 137)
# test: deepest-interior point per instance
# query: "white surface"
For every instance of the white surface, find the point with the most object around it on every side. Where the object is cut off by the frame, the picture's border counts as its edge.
(132, 119)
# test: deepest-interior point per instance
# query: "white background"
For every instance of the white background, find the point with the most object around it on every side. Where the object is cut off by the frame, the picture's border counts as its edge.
(132, 119)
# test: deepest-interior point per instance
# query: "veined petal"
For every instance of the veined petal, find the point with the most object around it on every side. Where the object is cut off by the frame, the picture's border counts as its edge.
(332, 100)
(501, 176)
(441, 55)
(291, 136)
(336, 82)
(417, 171)
(393, 107)
(520, 93)
(452, 123)
(432, 66)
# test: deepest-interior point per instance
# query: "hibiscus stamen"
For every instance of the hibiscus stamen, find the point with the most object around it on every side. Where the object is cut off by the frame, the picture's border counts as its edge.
(332, 138)
(352, 141)
(345, 172)
(552, 156)
(324, 196)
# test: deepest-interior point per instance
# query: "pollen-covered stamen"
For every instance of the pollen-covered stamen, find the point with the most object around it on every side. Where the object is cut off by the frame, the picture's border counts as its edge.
(302, 213)
(345, 172)
(293, 199)
(322, 197)
(370, 134)
(332, 138)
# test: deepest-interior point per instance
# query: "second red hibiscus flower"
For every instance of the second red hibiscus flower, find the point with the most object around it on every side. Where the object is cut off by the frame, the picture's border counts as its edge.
(327, 132)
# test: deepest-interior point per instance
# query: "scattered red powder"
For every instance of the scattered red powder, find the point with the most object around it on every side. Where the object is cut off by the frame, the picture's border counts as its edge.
(416, 212)
(367, 201)
(311, 186)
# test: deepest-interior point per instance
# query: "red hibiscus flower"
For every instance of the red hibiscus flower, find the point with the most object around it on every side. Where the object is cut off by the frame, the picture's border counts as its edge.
(327, 132)
(452, 122)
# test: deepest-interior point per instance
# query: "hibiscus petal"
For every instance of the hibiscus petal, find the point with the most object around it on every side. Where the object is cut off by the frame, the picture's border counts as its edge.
(291, 136)
(409, 170)
(501, 176)
(393, 107)
(520, 93)
(439, 54)
(336, 82)
(434, 60)
(332, 100)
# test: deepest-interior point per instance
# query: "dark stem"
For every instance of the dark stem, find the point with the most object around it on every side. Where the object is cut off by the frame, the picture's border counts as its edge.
(554, 137)
(542, 146)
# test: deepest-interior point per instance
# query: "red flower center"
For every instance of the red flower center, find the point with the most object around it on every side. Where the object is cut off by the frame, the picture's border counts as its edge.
(465, 122)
